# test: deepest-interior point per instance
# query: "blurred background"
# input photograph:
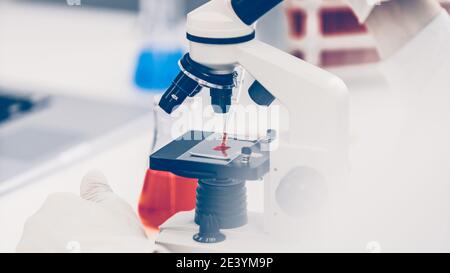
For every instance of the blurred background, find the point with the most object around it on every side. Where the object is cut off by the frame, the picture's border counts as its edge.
(78, 80)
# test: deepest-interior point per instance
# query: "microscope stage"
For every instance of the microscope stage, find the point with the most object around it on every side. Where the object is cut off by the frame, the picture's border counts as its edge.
(201, 155)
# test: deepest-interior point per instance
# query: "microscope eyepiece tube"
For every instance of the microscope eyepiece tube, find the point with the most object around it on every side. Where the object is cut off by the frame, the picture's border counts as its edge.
(251, 10)
(179, 90)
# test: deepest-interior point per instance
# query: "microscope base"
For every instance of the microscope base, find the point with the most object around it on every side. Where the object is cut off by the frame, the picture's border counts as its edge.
(176, 236)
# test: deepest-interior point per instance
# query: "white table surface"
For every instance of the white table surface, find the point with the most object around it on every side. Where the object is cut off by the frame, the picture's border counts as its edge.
(87, 53)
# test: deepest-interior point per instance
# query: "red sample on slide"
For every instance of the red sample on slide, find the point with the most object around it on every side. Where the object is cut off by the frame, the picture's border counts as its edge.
(223, 146)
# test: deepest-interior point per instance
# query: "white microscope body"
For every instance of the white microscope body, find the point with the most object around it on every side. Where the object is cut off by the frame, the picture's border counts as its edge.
(309, 165)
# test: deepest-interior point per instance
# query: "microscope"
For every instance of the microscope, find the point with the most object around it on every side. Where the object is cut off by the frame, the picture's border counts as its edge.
(302, 176)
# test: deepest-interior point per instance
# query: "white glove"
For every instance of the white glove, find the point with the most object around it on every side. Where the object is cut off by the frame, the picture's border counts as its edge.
(99, 221)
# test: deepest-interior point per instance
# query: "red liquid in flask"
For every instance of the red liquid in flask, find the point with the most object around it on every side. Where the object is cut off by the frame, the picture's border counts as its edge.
(163, 195)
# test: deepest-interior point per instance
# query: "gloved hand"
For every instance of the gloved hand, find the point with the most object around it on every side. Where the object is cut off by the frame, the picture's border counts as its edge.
(99, 221)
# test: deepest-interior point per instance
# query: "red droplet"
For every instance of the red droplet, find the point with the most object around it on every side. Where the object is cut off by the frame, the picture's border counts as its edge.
(221, 148)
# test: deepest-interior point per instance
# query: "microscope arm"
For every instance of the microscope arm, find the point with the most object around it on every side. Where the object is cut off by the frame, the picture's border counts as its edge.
(317, 99)
(312, 164)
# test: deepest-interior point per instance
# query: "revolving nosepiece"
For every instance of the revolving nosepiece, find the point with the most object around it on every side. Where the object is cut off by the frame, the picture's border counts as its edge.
(192, 77)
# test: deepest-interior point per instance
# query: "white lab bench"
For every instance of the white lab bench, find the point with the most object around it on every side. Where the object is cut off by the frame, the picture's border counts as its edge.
(66, 50)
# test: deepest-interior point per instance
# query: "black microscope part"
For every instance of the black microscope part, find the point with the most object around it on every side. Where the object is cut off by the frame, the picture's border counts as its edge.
(221, 200)
(167, 159)
(179, 90)
(225, 199)
(221, 41)
(184, 86)
(246, 151)
(221, 204)
(271, 134)
(209, 231)
(260, 95)
(205, 73)
(251, 10)
(221, 100)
